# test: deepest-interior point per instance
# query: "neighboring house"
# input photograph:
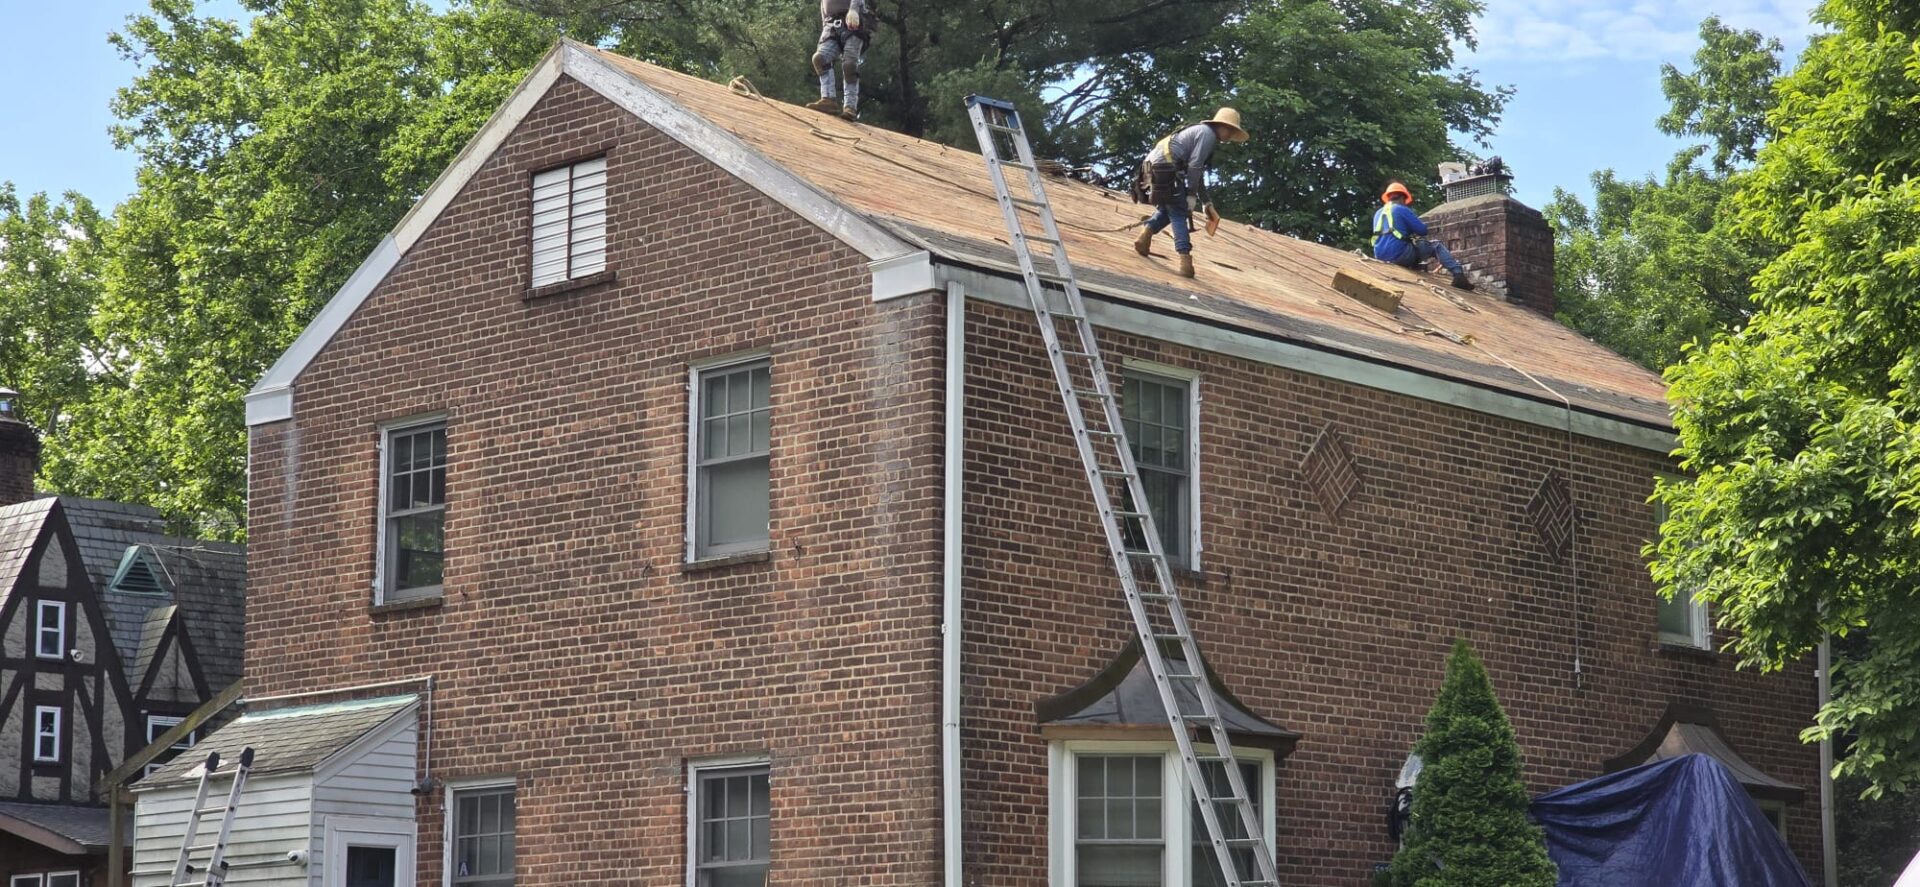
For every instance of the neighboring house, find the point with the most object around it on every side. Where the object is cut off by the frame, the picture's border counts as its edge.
(111, 631)
(702, 454)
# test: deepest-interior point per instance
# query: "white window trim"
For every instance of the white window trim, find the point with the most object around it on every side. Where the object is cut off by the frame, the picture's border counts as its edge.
(1062, 776)
(59, 731)
(1192, 378)
(1772, 808)
(75, 875)
(695, 369)
(696, 767)
(360, 831)
(387, 431)
(24, 881)
(1699, 627)
(448, 812)
(40, 609)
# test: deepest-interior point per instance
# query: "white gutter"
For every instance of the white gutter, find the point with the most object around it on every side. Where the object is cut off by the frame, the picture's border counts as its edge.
(1829, 846)
(950, 597)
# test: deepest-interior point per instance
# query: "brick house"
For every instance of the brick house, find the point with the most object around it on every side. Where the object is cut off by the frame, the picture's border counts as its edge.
(112, 631)
(700, 451)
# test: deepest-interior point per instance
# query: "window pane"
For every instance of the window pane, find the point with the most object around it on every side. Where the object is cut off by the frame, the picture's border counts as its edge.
(736, 503)
(762, 377)
(67, 880)
(1123, 865)
(1676, 616)
(740, 876)
(419, 545)
(739, 434)
(715, 400)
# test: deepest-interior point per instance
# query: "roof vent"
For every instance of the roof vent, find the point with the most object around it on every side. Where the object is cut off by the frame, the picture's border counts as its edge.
(138, 574)
(1463, 182)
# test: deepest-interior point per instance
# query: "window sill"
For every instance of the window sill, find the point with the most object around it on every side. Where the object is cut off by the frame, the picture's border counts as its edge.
(1685, 651)
(724, 561)
(409, 605)
(568, 286)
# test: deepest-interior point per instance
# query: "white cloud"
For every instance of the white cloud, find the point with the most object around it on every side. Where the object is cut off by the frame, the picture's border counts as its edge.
(1636, 30)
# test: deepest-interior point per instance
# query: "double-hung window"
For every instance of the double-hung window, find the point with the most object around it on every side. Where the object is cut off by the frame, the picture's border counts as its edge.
(1683, 618)
(482, 842)
(730, 844)
(413, 511)
(47, 726)
(50, 629)
(50, 879)
(157, 726)
(1158, 413)
(731, 425)
(1125, 817)
(570, 222)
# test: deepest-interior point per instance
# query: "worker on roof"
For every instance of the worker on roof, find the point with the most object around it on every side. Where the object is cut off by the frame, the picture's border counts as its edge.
(846, 30)
(1401, 238)
(1173, 178)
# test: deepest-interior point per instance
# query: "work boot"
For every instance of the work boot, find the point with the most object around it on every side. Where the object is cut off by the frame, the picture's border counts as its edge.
(1460, 282)
(849, 114)
(825, 104)
(1144, 243)
(1186, 265)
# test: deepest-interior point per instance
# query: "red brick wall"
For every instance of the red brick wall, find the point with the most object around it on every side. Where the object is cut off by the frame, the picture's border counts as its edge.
(573, 650)
(1503, 238)
(1335, 627)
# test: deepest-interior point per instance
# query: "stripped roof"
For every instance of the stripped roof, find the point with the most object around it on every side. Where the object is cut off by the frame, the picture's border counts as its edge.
(1271, 284)
(284, 740)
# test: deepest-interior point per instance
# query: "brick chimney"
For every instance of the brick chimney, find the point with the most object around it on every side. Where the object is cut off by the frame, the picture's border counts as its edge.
(1505, 244)
(19, 451)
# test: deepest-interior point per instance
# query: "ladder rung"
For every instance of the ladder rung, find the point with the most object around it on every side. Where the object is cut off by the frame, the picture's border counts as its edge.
(1065, 315)
(1010, 130)
(1172, 637)
(1031, 238)
(1144, 555)
(1129, 515)
(1086, 355)
(1091, 394)
(1013, 164)
(1022, 201)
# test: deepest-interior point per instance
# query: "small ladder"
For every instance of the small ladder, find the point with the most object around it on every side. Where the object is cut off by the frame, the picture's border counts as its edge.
(213, 872)
(1158, 617)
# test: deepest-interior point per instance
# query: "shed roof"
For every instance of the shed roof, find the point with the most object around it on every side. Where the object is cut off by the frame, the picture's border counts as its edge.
(63, 828)
(1122, 695)
(284, 740)
(1694, 729)
(1275, 285)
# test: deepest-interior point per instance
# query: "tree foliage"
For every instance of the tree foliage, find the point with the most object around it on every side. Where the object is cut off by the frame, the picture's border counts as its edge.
(1656, 266)
(51, 253)
(273, 154)
(1803, 514)
(1470, 826)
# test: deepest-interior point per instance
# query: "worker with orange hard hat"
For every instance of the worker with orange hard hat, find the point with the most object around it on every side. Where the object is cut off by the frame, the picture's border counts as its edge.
(1401, 238)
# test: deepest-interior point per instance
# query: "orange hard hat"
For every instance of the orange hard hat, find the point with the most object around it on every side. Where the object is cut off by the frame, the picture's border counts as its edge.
(1396, 188)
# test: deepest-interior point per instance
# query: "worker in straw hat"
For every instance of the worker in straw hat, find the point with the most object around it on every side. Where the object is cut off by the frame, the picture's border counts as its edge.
(1401, 238)
(1173, 178)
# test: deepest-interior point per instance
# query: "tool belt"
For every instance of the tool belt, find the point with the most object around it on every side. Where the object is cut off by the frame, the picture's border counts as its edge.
(1159, 184)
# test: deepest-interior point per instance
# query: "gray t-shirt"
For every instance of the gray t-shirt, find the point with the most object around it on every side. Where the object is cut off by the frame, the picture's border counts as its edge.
(835, 10)
(1192, 149)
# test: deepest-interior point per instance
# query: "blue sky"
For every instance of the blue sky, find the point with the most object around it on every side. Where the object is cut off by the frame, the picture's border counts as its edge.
(1587, 72)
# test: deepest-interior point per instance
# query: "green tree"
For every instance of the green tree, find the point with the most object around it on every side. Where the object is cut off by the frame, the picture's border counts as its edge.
(1802, 515)
(51, 253)
(1470, 826)
(1656, 266)
(1340, 98)
(273, 155)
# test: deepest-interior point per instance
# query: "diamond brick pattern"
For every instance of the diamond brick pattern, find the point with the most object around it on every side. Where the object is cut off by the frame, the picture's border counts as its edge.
(1330, 471)
(1551, 511)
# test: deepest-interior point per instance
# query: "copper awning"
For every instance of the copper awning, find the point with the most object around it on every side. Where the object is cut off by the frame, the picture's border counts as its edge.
(1121, 702)
(1688, 728)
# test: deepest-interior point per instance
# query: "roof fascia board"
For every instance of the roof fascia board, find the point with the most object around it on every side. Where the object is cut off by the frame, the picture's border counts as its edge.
(908, 274)
(728, 152)
(39, 834)
(1222, 340)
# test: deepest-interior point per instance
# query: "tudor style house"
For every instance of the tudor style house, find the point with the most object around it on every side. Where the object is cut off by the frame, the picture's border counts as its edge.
(111, 632)
(679, 495)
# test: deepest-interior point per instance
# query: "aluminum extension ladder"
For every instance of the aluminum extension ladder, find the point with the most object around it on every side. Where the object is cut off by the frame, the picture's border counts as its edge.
(213, 872)
(1158, 616)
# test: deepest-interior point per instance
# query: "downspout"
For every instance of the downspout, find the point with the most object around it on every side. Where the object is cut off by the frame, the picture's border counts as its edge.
(951, 529)
(1829, 845)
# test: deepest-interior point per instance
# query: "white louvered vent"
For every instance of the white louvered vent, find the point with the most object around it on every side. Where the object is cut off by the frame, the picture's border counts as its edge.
(570, 222)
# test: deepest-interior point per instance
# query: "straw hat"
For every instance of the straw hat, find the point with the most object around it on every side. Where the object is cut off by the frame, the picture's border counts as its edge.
(1230, 119)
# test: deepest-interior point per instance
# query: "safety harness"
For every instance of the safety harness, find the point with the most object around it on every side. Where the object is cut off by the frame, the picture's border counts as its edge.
(1383, 223)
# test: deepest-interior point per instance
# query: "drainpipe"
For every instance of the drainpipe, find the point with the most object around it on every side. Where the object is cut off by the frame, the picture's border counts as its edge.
(950, 593)
(1828, 841)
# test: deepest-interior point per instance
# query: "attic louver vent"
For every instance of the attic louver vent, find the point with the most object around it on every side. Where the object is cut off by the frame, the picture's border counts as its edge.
(138, 574)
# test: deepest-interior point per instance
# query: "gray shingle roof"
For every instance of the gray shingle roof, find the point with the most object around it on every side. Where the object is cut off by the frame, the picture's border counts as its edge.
(86, 826)
(19, 527)
(208, 581)
(283, 740)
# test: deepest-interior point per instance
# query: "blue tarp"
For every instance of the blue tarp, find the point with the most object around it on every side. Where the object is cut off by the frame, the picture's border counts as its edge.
(1682, 822)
